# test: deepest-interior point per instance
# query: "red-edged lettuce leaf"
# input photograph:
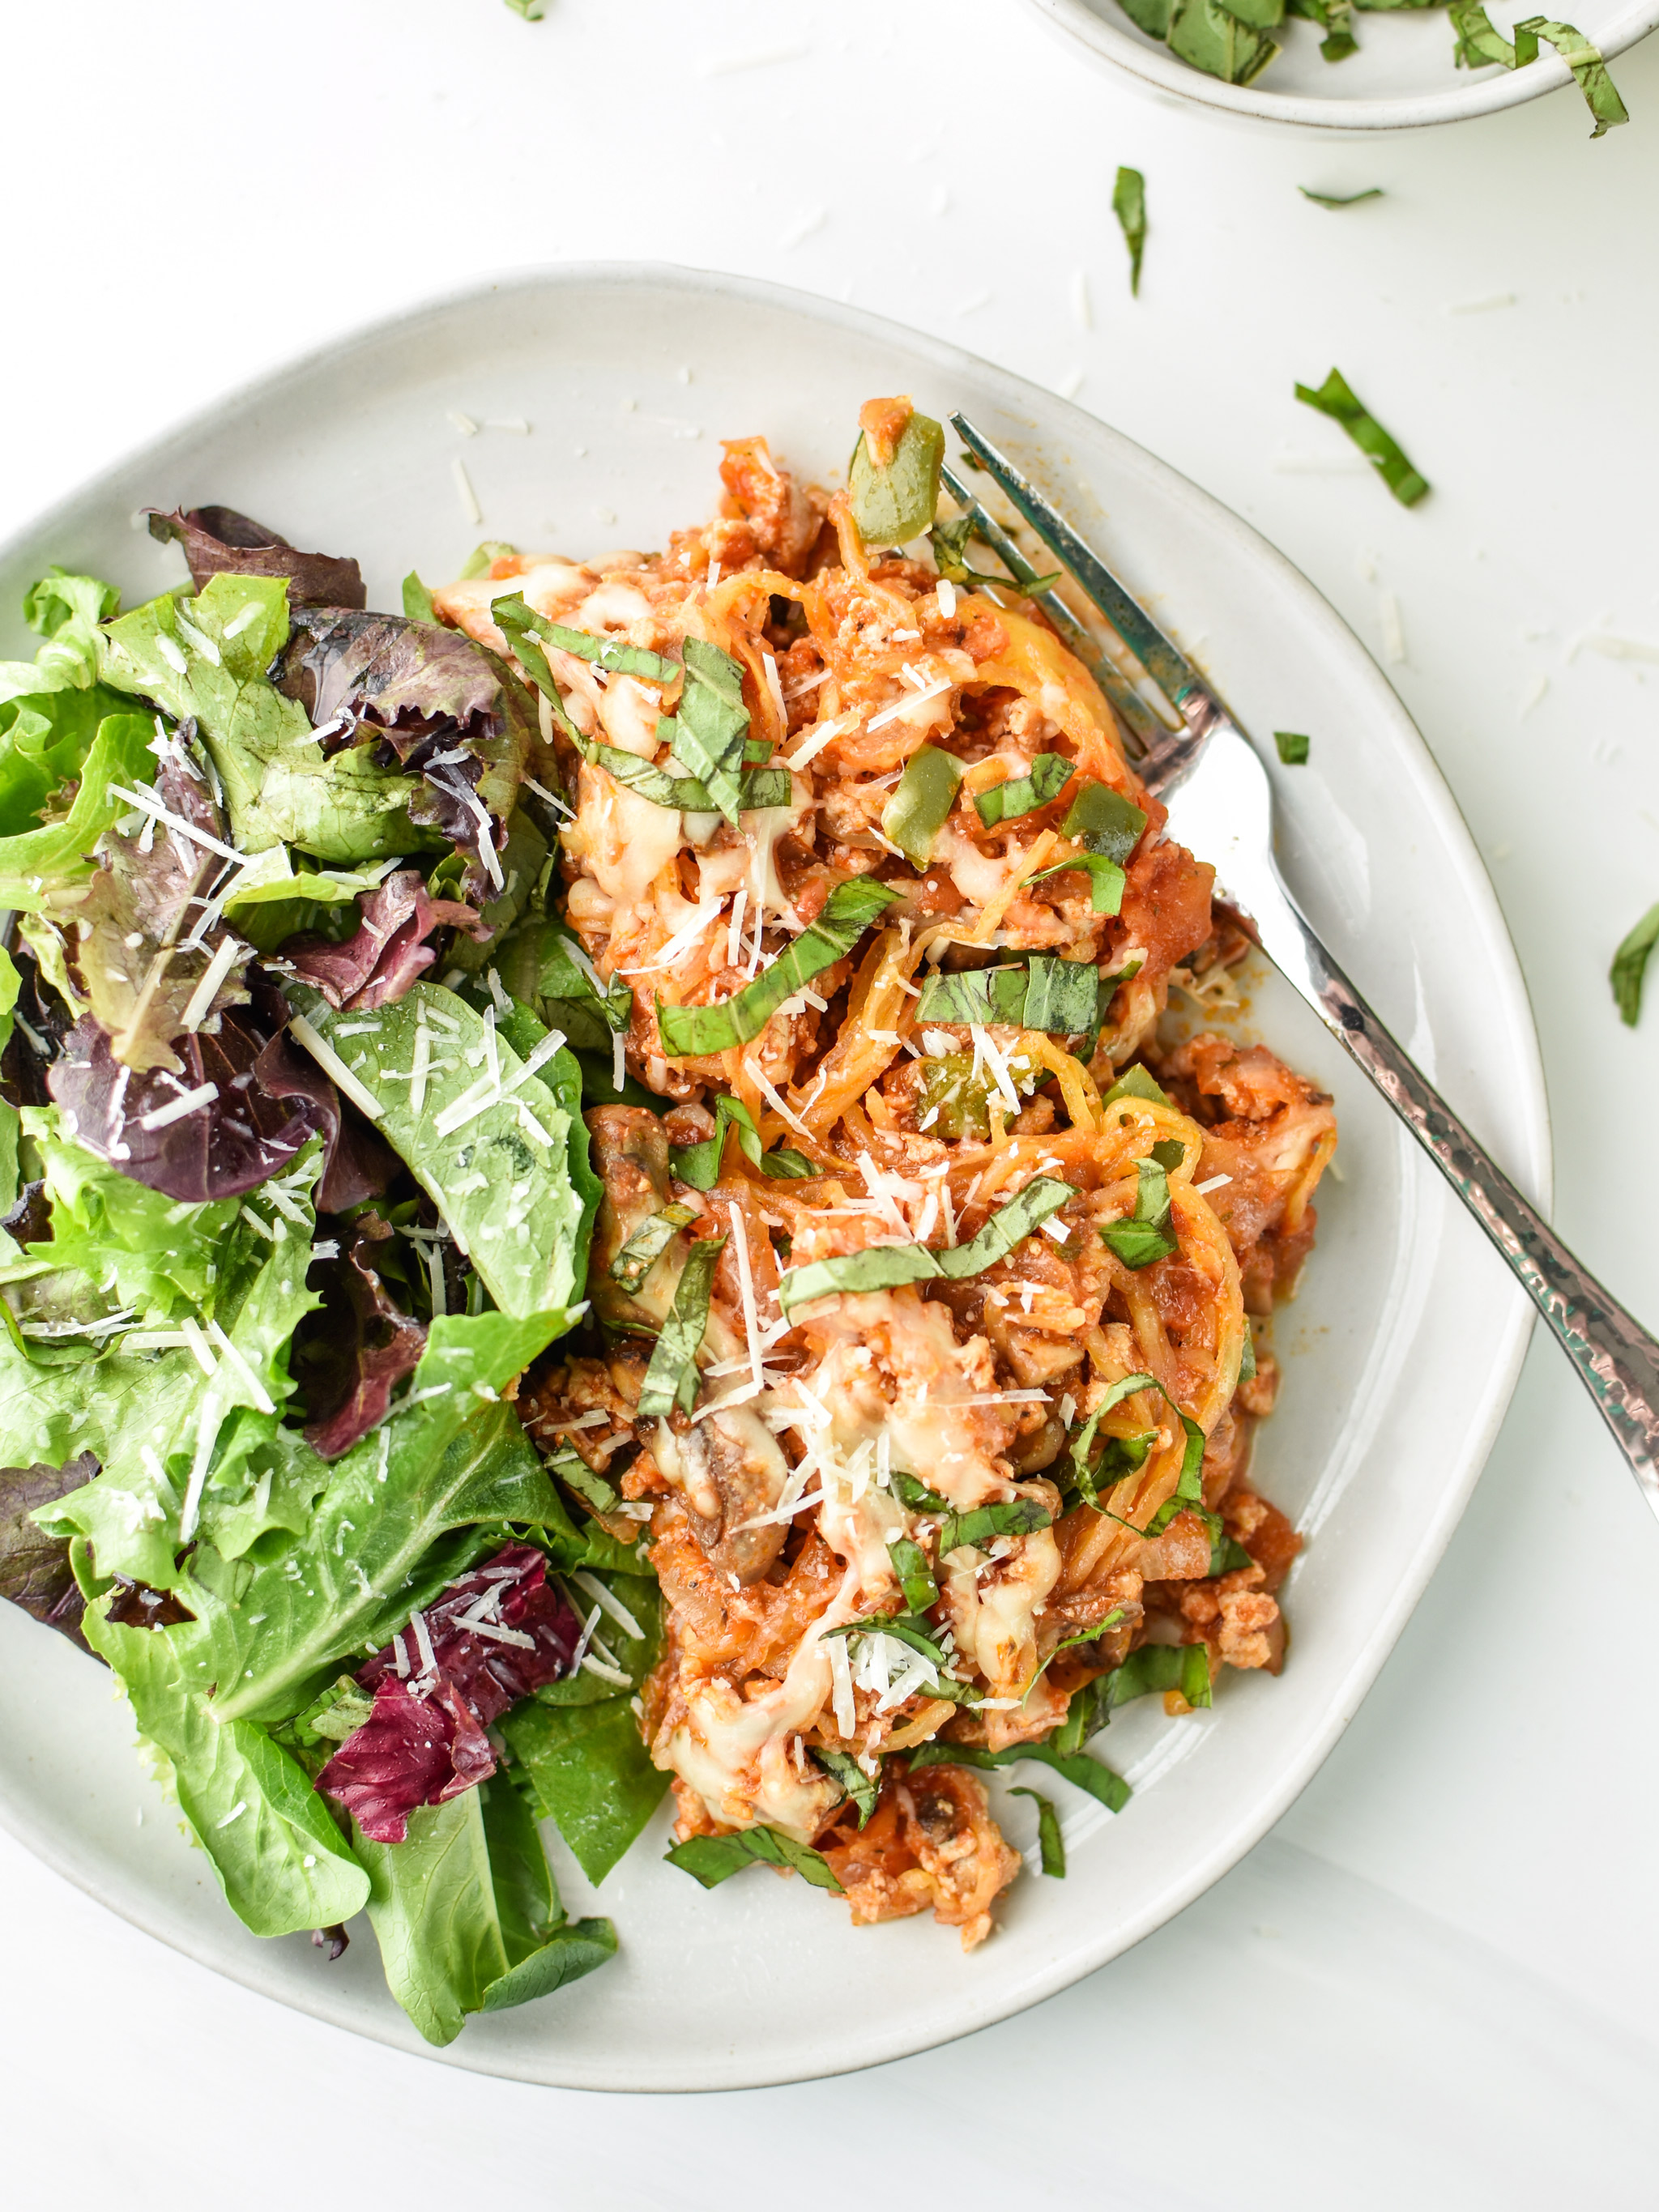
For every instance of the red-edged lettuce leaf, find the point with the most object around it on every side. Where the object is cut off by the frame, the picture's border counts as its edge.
(425, 1740)
(376, 965)
(444, 708)
(349, 1356)
(269, 1099)
(34, 1567)
(220, 542)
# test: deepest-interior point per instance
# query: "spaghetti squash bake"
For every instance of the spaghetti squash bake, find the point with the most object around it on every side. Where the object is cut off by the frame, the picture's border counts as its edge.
(924, 1275)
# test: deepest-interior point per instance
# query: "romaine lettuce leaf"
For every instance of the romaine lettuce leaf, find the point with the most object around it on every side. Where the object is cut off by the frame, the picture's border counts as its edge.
(466, 1914)
(499, 1175)
(280, 1859)
(279, 784)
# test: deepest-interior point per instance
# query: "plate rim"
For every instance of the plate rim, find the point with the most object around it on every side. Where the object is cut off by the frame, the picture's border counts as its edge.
(1247, 1826)
(1154, 68)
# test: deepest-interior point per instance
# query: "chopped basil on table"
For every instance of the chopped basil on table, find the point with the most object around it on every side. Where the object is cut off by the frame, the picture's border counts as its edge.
(1129, 206)
(1340, 199)
(1336, 398)
(1293, 747)
(1630, 965)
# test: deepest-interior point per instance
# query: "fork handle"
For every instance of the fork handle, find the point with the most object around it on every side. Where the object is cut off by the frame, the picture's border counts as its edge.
(1617, 1359)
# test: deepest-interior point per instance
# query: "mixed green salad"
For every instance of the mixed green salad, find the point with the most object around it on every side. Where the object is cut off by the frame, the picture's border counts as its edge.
(1235, 42)
(282, 1228)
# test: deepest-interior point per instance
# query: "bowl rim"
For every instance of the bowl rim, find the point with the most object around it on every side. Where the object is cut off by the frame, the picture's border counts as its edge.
(1154, 68)
(1251, 1820)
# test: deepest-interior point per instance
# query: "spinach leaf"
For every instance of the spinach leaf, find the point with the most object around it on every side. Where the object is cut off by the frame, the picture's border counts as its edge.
(1049, 774)
(688, 1032)
(712, 1860)
(1050, 1843)
(922, 799)
(590, 1772)
(495, 1157)
(1336, 398)
(1129, 206)
(544, 964)
(1630, 965)
(896, 501)
(884, 1267)
(671, 1380)
(467, 1917)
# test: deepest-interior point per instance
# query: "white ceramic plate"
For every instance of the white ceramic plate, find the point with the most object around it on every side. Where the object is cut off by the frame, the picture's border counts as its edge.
(1400, 1356)
(1400, 79)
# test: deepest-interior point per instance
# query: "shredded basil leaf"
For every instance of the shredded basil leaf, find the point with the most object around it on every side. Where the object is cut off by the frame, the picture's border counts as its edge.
(1226, 1554)
(1340, 199)
(920, 1499)
(1078, 1768)
(1335, 19)
(1070, 1642)
(1023, 794)
(592, 1489)
(1630, 964)
(893, 505)
(700, 1165)
(1014, 1516)
(1479, 43)
(921, 799)
(712, 1860)
(1129, 206)
(1106, 879)
(863, 1789)
(1091, 1475)
(915, 1576)
(690, 1031)
(1155, 1667)
(1051, 1845)
(1247, 1358)
(1061, 997)
(1136, 1081)
(1145, 1237)
(649, 1242)
(609, 654)
(884, 1267)
(709, 729)
(671, 1380)
(1336, 398)
(1293, 747)
(950, 543)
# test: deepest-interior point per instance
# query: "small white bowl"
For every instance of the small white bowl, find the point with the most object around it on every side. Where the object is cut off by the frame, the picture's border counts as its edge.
(1401, 78)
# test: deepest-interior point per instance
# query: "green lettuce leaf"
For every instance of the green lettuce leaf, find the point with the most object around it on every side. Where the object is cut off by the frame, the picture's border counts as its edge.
(36, 864)
(66, 611)
(279, 786)
(502, 1175)
(45, 738)
(279, 1858)
(466, 1914)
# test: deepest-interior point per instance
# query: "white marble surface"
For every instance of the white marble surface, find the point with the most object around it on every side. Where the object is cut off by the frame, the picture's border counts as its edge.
(1437, 1976)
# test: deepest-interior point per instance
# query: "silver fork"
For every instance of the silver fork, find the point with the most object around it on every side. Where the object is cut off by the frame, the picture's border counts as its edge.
(1193, 754)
